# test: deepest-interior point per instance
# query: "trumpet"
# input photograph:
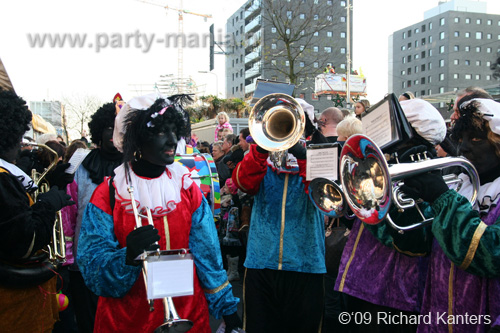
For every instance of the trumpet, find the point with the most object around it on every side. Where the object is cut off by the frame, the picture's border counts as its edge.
(276, 123)
(172, 321)
(371, 186)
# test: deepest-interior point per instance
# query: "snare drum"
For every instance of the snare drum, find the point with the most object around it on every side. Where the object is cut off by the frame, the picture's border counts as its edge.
(204, 173)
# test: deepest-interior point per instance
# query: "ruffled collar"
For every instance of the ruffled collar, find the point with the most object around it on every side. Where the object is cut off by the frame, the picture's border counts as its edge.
(28, 183)
(99, 165)
(161, 194)
(487, 196)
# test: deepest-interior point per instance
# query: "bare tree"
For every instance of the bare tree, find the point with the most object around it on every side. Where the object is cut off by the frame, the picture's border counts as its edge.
(79, 108)
(301, 26)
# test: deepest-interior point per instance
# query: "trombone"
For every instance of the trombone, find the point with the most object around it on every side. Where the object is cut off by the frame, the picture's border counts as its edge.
(172, 321)
(276, 123)
(371, 186)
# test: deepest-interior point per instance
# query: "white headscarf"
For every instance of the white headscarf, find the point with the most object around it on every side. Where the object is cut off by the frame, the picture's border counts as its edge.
(425, 119)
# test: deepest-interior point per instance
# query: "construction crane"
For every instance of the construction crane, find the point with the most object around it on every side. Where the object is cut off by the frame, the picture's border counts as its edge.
(180, 48)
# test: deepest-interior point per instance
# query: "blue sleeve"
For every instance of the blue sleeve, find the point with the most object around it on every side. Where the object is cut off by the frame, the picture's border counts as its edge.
(99, 257)
(204, 245)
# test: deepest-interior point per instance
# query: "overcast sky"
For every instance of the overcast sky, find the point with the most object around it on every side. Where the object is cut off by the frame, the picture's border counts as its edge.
(51, 73)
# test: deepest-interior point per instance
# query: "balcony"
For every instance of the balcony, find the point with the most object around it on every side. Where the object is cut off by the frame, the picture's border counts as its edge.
(253, 41)
(252, 10)
(253, 26)
(253, 56)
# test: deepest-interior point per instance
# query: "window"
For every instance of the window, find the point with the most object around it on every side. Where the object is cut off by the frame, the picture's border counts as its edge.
(329, 17)
(441, 35)
(403, 47)
(409, 58)
(342, 66)
(429, 66)
(456, 48)
(315, 64)
(478, 21)
(342, 50)
(329, 34)
(416, 56)
(408, 83)
(488, 63)
(488, 22)
(342, 3)
(429, 80)
(289, 14)
(342, 35)
(316, 17)
(301, 64)
(417, 30)
(456, 34)
(441, 77)
(403, 60)
(430, 53)
(409, 70)
(422, 68)
(416, 43)
(404, 84)
(441, 49)
(467, 62)
(430, 25)
(488, 50)
(302, 47)
(442, 21)
(422, 54)
(342, 19)
(430, 39)
(287, 63)
(479, 35)
(403, 72)
(423, 28)
(422, 92)
(455, 76)
(415, 82)
(422, 42)
(236, 89)
(273, 62)
(302, 32)
(416, 69)
(478, 77)
(328, 49)
(488, 36)
(468, 76)
(441, 63)
(404, 35)
(287, 31)
(455, 62)
(467, 20)
(273, 46)
(422, 80)
(315, 49)
(467, 35)
(457, 20)
(316, 34)
(488, 77)
(467, 49)
(273, 30)
(478, 48)
(302, 16)
(441, 90)
(409, 46)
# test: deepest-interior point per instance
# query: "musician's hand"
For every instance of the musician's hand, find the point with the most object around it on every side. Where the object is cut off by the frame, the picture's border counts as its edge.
(140, 240)
(299, 151)
(56, 198)
(59, 177)
(427, 186)
(233, 322)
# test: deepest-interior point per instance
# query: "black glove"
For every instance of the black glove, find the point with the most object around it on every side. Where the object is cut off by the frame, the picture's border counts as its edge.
(262, 150)
(59, 177)
(427, 186)
(56, 198)
(140, 240)
(233, 322)
(299, 151)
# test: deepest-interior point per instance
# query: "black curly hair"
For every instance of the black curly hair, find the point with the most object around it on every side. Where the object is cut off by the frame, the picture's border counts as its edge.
(103, 118)
(140, 126)
(15, 118)
(472, 119)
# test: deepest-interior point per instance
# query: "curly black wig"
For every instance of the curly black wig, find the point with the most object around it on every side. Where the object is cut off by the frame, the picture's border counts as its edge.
(103, 118)
(472, 119)
(142, 125)
(15, 118)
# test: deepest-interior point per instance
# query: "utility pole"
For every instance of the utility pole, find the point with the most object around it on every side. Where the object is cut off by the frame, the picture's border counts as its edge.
(348, 54)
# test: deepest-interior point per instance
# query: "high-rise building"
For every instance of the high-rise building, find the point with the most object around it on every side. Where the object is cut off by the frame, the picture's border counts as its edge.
(50, 111)
(451, 49)
(276, 40)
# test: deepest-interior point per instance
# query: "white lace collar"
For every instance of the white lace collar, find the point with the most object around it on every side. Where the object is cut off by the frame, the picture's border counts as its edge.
(161, 194)
(488, 194)
(26, 180)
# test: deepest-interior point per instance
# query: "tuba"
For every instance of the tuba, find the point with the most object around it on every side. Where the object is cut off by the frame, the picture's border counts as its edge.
(276, 123)
(42, 265)
(371, 186)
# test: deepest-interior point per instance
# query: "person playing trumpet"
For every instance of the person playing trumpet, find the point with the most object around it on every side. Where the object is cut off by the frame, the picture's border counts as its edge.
(147, 130)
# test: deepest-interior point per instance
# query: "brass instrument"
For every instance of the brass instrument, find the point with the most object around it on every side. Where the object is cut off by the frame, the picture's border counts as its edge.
(56, 249)
(172, 321)
(371, 186)
(276, 123)
(327, 197)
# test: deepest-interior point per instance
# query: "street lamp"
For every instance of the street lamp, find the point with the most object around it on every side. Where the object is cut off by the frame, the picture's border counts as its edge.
(216, 81)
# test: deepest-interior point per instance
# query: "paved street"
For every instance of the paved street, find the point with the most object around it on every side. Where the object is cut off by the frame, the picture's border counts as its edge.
(238, 292)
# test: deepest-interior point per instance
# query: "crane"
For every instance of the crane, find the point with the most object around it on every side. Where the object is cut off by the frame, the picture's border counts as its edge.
(180, 49)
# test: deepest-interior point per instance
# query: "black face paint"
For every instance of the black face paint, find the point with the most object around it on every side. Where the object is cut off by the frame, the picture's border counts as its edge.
(107, 141)
(475, 146)
(160, 150)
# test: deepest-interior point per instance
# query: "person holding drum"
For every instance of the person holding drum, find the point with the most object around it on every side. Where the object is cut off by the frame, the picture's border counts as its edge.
(147, 130)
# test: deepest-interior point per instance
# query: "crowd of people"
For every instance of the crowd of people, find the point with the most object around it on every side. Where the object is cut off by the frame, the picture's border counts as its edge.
(269, 233)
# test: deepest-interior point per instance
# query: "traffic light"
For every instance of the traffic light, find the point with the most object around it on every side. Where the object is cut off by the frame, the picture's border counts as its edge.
(212, 42)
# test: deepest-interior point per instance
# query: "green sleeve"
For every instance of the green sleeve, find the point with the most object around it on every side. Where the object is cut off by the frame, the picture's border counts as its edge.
(465, 239)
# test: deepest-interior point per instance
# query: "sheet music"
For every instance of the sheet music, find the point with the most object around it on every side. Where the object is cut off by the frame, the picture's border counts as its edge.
(377, 125)
(169, 278)
(323, 163)
(77, 159)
